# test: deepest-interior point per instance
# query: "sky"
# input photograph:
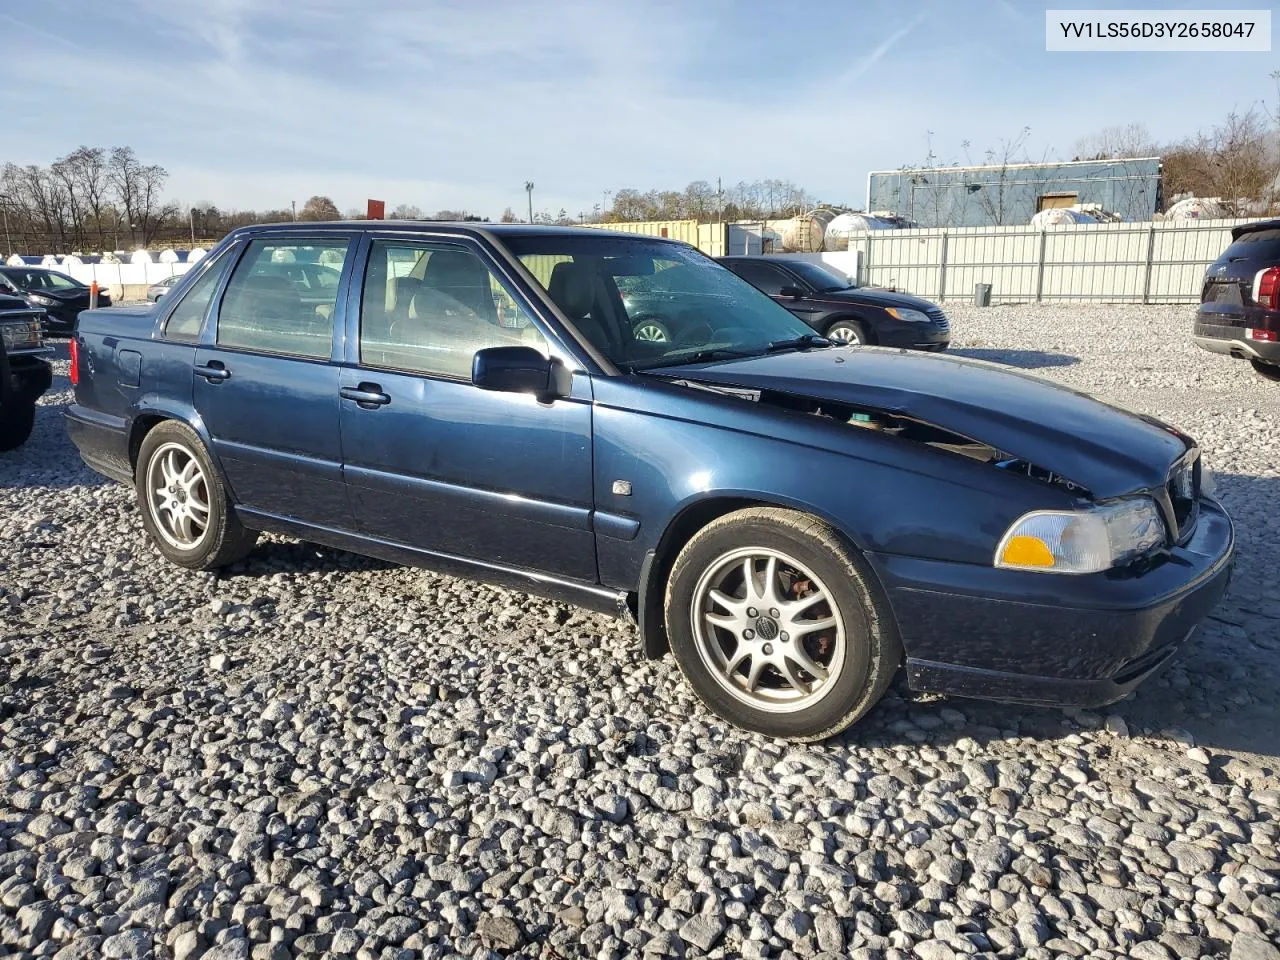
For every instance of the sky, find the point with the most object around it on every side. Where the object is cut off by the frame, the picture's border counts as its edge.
(457, 103)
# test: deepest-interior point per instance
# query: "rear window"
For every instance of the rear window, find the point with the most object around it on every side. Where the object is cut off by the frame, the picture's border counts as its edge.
(1259, 245)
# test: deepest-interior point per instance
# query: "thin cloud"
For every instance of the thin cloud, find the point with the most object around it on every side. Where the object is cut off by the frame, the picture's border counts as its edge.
(881, 50)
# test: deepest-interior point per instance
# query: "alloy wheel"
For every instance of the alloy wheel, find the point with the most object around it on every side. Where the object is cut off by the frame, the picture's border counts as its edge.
(178, 496)
(768, 630)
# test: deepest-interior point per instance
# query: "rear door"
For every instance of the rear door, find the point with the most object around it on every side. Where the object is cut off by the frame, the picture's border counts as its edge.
(266, 382)
(433, 461)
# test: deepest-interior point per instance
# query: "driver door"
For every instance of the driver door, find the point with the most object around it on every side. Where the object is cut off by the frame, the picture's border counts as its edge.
(434, 462)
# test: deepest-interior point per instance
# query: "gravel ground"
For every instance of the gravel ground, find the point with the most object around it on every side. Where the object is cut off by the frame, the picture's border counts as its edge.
(318, 754)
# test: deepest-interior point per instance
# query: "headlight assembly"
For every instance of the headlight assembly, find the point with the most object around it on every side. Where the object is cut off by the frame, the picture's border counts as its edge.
(1081, 541)
(907, 316)
(41, 299)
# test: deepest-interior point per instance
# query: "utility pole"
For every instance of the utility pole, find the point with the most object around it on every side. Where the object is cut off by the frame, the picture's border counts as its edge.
(604, 206)
(191, 218)
(719, 202)
(8, 245)
(294, 205)
(528, 188)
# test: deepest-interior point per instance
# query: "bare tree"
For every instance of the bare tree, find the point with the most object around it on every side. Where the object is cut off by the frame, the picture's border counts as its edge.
(138, 189)
(406, 211)
(508, 215)
(319, 208)
(1117, 142)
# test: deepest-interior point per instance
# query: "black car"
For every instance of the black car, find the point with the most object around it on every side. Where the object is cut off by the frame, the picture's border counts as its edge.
(1239, 310)
(24, 373)
(841, 311)
(61, 297)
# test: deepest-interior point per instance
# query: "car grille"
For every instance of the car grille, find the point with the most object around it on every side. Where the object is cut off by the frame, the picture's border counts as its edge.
(21, 334)
(939, 319)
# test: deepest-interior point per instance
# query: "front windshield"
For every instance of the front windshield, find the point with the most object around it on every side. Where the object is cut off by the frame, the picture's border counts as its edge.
(819, 277)
(648, 303)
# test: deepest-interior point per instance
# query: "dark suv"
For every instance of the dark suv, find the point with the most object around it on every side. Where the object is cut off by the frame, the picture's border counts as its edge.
(24, 372)
(1240, 303)
(841, 311)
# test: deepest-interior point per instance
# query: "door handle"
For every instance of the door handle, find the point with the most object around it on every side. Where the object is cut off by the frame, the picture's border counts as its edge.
(366, 395)
(214, 371)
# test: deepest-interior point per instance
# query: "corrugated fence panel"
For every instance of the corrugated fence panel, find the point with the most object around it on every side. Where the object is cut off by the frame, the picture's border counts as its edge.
(1101, 261)
(907, 260)
(1005, 257)
(1152, 262)
(1180, 253)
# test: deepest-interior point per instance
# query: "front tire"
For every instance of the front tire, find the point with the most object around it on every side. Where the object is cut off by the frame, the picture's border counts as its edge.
(1269, 370)
(844, 330)
(185, 506)
(777, 626)
(16, 423)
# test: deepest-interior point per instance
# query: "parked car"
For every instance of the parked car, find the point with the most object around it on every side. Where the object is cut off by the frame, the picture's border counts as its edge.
(61, 297)
(794, 520)
(161, 287)
(1239, 311)
(841, 311)
(25, 374)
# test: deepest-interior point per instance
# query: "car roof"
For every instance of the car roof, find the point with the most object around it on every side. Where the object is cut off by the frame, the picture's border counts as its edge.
(1238, 232)
(464, 228)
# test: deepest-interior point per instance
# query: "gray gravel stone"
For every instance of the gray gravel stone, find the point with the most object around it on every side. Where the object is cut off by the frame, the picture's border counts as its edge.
(311, 752)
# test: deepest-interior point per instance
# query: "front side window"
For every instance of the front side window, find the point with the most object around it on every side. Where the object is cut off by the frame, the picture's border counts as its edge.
(645, 302)
(270, 305)
(427, 308)
(763, 276)
(59, 281)
(185, 320)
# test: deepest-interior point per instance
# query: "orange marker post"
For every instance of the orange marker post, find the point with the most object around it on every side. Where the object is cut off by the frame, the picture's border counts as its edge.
(93, 295)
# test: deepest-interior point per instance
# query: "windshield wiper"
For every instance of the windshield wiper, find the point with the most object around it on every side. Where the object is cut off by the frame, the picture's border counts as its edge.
(802, 342)
(697, 356)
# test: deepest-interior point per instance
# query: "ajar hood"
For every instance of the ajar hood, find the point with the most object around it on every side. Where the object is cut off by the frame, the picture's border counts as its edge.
(1102, 448)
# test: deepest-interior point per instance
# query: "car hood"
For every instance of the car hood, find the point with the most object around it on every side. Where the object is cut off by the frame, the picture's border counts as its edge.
(876, 298)
(1102, 448)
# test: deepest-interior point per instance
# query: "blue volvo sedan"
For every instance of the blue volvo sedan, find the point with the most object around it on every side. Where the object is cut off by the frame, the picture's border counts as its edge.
(794, 520)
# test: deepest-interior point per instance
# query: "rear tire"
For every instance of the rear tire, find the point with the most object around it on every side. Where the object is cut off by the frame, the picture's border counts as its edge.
(803, 649)
(1269, 370)
(16, 423)
(185, 506)
(847, 330)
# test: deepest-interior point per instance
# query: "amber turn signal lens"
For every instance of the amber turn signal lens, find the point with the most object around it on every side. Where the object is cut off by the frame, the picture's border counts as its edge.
(1027, 552)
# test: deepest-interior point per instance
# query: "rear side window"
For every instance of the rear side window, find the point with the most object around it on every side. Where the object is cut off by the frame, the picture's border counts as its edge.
(274, 305)
(184, 322)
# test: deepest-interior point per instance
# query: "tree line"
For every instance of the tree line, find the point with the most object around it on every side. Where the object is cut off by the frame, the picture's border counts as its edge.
(93, 198)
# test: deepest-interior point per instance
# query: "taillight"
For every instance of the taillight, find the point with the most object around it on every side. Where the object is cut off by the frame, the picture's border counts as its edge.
(1266, 288)
(73, 349)
(1256, 333)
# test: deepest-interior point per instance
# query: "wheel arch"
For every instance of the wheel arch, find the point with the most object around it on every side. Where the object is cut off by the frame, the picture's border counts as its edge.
(147, 414)
(688, 519)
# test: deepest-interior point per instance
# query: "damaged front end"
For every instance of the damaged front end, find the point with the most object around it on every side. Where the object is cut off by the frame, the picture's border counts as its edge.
(892, 424)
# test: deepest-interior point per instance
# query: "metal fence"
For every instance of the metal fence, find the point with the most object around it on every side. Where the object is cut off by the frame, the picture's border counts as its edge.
(1151, 262)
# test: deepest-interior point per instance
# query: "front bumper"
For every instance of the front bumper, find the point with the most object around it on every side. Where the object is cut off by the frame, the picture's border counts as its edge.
(913, 336)
(1043, 638)
(24, 378)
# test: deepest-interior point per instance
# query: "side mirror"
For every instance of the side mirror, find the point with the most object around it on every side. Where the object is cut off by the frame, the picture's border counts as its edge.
(795, 293)
(519, 370)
